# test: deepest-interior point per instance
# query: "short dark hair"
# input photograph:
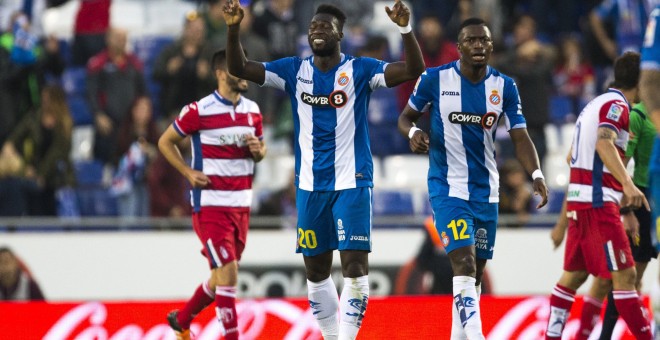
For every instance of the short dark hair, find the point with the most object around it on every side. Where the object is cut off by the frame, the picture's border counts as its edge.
(626, 71)
(471, 22)
(334, 11)
(219, 60)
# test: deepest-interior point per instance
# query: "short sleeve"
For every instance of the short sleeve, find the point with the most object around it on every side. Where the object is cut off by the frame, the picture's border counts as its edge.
(614, 115)
(375, 71)
(511, 106)
(278, 71)
(188, 120)
(422, 95)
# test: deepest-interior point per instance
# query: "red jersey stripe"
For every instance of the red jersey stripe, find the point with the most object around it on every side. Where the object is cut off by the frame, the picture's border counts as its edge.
(585, 177)
(225, 152)
(233, 183)
(221, 120)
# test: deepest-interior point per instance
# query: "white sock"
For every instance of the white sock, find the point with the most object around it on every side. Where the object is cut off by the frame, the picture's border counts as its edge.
(655, 306)
(467, 303)
(324, 302)
(457, 331)
(353, 302)
(478, 287)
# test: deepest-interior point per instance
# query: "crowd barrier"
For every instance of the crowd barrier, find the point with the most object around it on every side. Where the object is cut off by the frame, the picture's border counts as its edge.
(289, 319)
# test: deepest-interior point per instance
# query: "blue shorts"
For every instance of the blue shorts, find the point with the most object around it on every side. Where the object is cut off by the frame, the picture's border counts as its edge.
(329, 220)
(461, 223)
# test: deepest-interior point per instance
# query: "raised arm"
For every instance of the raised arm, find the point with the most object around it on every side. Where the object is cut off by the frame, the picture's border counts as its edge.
(527, 156)
(401, 71)
(237, 62)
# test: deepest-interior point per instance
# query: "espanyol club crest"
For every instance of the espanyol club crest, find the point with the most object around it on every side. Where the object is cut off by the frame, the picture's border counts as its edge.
(250, 121)
(343, 79)
(445, 238)
(495, 98)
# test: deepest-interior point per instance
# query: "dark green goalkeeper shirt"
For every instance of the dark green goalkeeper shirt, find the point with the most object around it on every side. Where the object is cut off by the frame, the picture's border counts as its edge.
(642, 134)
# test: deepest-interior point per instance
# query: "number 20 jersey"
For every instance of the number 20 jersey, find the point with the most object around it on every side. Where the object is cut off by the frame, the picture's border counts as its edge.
(591, 183)
(464, 116)
(330, 108)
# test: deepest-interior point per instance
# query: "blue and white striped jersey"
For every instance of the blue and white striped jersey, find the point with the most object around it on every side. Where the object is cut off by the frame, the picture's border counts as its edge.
(331, 138)
(651, 61)
(464, 116)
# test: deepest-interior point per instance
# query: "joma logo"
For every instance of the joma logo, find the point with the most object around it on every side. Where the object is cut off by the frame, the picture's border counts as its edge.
(450, 93)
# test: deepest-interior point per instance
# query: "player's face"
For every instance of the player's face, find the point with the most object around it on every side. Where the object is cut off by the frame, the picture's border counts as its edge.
(475, 45)
(323, 35)
(237, 84)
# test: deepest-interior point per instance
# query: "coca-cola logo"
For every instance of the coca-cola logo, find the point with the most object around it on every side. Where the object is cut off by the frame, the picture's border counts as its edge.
(252, 318)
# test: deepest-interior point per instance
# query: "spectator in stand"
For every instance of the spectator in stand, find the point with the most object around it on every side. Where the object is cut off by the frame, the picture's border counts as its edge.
(89, 30)
(43, 139)
(443, 10)
(183, 69)
(136, 149)
(282, 203)
(169, 192)
(214, 22)
(531, 62)
(15, 189)
(436, 50)
(515, 192)
(114, 81)
(25, 63)
(16, 281)
(275, 21)
(574, 76)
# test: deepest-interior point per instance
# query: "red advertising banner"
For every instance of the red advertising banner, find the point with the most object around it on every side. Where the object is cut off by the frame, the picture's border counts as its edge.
(290, 319)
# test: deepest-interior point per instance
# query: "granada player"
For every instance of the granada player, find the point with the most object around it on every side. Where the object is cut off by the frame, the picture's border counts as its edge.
(226, 131)
(596, 241)
(329, 94)
(465, 100)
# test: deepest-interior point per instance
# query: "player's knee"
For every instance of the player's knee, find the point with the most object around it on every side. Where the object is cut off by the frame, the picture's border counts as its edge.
(317, 274)
(624, 279)
(465, 266)
(354, 269)
(225, 276)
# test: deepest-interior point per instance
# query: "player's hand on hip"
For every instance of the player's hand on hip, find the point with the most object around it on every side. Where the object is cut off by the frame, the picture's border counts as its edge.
(419, 143)
(399, 13)
(197, 178)
(233, 13)
(541, 189)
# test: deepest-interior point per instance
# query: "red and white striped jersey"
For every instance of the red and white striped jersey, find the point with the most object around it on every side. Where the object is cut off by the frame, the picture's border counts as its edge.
(218, 131)
(591, 183)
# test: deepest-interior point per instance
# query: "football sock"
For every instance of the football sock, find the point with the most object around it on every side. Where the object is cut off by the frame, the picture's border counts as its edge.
(561, 301)
(353, 305)
(478, 288)
(202, 297)
(590, 316)
(457, 331)
(225, 308)
(466, 303)
(324, 302)
(655, 304)
(627, 303)
(610, 318)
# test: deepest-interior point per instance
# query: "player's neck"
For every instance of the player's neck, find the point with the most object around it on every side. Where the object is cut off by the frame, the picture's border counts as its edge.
(325, 63)
(228, 94)
(473, 73)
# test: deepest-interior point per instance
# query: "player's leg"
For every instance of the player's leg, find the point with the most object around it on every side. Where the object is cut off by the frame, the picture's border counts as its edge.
(224, 279)
(352, 213)
(455, 221)
(574, 275)
(593, 303)
(316, 239)
(620, 263)
(204, 295)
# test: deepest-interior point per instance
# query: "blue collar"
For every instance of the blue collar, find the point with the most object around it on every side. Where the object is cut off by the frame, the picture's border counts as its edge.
(225, 101)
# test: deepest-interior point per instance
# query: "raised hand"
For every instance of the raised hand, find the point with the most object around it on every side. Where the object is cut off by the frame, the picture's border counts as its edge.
(233, 13)
(399, 13)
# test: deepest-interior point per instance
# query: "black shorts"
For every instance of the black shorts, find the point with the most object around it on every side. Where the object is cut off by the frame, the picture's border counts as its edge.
(645, 251)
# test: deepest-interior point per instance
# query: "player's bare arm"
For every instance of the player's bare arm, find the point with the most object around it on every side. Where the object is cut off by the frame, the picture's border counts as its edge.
(649, 89)
(401, 71)
(257, 148)
(237, 63)
(529, 159)
(167, 144)
(610, 156)
(419, 140)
